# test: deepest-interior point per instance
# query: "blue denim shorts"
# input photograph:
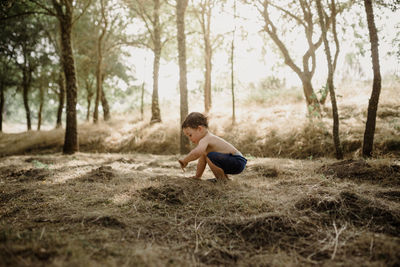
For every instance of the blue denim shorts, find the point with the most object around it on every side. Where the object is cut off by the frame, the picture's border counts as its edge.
(229, 163)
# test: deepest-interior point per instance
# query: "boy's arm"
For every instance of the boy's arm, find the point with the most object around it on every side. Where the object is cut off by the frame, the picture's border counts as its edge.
(197, 152)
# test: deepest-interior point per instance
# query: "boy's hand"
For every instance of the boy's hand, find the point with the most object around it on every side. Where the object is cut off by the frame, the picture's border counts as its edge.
(183, 164)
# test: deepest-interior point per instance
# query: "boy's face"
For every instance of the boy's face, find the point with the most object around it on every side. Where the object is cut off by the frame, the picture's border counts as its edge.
(194, 134)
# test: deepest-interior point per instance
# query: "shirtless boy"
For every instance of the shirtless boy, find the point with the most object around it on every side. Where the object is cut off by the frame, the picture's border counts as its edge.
(222, 157)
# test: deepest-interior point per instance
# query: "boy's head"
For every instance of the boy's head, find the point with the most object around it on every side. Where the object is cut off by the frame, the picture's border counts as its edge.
(194, 120)
(194, 126)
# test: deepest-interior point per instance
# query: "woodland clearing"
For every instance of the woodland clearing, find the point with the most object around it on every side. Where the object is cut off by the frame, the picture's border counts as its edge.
(135, 209)
(294, 205)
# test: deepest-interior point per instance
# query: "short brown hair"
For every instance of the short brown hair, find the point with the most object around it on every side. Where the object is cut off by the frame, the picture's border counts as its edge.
(194, 120)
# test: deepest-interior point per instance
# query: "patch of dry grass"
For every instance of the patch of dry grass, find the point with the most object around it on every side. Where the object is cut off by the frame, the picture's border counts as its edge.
(136, 209)
(276, 128)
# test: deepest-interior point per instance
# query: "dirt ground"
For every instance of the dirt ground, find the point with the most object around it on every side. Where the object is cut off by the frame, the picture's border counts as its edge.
(142, 210)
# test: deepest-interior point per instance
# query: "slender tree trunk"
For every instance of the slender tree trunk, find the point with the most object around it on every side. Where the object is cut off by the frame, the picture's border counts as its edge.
(233, 65)
(41, 102)
(25, 87)
(308, 90)
(1, 105)
(88, 101)
(207, 76)
(376, 87)
(155, 108)
(307, 72)
(71, 144)
(180, 21)
(61, 99)
(104, 102)
(335, 130)
(99, 66)
(142, 102)
(206, 28)
(88, 98)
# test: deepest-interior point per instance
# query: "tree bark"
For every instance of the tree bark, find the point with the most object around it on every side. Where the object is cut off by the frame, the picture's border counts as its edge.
(376, 87)
(99, 65)
(142, 102)
(26, 80)
(155, 108)
(335, 130)
(41, 100)
(61, 99)
(205, 22)
(233, 65)
(104, 102)
(180, 21)
(88, 98)
(1, 105)
(307, 72)
(65, 15)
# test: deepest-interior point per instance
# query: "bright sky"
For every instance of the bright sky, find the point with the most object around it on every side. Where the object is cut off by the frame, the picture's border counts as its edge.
(251, 64)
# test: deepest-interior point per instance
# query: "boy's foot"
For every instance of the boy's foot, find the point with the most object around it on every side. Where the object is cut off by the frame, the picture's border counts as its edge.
(215, 180)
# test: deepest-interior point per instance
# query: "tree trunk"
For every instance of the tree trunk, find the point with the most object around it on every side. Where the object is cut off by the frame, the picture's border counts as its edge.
(205, 25)
(142, 102)
(307, 72)
(41, 100)
(88, 98)
(335, 130)
(376, 87)
(311, 98)
(104, 102)
(64, 15)
(155, 108)
(89, 101)
(61, 99)
(25, 87)
(99, 66)
(180, 21)
(232, 65)
(207, 74)
(1, 105)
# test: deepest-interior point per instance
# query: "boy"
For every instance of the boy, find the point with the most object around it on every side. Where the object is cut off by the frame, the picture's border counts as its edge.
(222, 157)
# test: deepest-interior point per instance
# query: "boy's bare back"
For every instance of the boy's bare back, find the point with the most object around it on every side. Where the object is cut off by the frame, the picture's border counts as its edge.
(217, 144)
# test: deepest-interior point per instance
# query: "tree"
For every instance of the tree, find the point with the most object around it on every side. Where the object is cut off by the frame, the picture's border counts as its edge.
(24, 36)
(64, 13)
(204, 15)
(181, 6)
(63, 10)
(61, 98)
(53, 36)
(331, 70)
(301, 14)
(376, 86)
(99, 75)
(8, 78)
(232, 64)
(149, 11)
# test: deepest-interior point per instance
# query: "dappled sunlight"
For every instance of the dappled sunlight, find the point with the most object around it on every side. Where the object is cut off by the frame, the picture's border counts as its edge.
(111, 188)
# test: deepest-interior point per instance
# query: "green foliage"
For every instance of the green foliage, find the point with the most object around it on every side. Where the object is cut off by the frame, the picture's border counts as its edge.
(39, 165)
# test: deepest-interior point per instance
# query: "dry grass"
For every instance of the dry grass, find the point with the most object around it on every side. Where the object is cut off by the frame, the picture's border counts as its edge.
(265, 128)
(135, 209)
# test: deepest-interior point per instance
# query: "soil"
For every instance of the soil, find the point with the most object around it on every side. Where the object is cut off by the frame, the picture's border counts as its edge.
(142, 210)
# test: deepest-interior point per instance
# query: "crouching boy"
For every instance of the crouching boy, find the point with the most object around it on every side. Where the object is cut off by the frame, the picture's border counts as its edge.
(222, 157)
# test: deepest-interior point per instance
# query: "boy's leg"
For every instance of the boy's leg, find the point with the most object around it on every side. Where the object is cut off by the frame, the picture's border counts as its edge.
(201, 165)
(217, 171)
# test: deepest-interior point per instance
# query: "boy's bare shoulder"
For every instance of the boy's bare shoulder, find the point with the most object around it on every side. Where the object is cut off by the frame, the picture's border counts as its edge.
(210, 137)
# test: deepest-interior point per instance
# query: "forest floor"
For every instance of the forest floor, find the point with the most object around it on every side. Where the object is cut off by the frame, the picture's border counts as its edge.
(124, 201)
(129, 209)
